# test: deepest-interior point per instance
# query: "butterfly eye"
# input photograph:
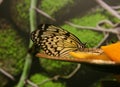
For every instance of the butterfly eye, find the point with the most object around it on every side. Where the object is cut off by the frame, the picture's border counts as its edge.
(55, 41)
(84, 45)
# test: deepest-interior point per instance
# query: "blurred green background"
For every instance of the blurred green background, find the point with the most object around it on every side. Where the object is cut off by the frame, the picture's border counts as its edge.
(14, 40)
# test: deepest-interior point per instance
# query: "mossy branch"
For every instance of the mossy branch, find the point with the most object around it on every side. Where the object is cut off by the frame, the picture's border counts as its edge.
(28, 59)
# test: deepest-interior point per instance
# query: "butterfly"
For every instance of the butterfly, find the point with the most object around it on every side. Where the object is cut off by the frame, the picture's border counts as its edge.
(55, 41)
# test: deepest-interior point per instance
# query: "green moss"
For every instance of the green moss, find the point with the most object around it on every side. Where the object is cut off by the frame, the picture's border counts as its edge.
(20, 7)
(51, 6)
(12, 50)
(19, 10)
(57, 67)
(38, 78)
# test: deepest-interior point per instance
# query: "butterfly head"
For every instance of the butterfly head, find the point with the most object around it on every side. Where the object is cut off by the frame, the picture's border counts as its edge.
(35, 37)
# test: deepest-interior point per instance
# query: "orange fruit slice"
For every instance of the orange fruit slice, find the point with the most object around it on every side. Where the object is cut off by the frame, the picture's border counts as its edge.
(113, 51)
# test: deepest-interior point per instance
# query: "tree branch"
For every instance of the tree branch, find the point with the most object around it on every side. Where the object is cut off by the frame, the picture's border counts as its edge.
(72, 73)
(31, 83)
(28, 58)
(7, 74)
(108, 8)
(93, 28)
(116, 7)
(44, 14)
(1, 1)
(106, 36)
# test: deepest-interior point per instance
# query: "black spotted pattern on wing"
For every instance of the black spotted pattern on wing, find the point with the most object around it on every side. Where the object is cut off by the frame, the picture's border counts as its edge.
(55, 41)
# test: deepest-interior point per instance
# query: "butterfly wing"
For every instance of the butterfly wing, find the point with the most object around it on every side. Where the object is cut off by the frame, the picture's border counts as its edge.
(55, 41)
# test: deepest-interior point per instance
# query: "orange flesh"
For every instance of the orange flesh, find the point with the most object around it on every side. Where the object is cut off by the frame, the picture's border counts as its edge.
(113, 51)
(88, 55)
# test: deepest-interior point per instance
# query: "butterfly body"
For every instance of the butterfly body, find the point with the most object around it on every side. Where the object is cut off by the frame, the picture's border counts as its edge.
(55, 41)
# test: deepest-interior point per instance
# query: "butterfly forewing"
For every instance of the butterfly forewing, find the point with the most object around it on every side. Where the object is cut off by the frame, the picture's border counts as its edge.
(55, 41)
